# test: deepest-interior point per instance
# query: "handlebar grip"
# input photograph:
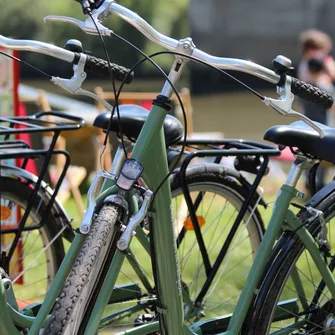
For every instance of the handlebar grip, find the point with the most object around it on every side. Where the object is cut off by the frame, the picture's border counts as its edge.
(311, 93)
(98, 65)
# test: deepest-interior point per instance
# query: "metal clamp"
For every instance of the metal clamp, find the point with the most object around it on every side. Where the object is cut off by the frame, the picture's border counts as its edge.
(92, 194)
(125, 238)
(283, 106)
(321, 238)
(185, 46)
(88, 25)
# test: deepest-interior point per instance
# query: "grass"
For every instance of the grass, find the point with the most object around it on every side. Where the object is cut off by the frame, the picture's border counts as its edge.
(227, 288)
(228, 283)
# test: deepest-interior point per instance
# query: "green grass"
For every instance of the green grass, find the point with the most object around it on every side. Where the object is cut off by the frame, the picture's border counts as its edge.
(193, 275)
(227, 288)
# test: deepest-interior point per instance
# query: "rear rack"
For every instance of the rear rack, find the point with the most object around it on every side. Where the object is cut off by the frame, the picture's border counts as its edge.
(39, 122)
(13, 148)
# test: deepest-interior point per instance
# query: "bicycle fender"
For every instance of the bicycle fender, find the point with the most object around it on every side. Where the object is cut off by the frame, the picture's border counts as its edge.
(322, 194)
(45, 192)
(224, 171)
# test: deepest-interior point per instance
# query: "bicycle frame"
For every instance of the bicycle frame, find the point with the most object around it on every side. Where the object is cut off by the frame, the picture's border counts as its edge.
(281, 215)
(150, 150)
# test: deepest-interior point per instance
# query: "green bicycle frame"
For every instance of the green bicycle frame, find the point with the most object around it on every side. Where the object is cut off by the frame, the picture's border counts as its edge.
(151, 152)
(170, 293)
(281, 213)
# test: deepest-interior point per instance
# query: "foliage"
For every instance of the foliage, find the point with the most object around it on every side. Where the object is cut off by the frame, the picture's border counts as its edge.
(23, 20)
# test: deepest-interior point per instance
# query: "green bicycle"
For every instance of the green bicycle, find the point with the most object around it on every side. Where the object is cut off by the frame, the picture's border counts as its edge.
(114, 213)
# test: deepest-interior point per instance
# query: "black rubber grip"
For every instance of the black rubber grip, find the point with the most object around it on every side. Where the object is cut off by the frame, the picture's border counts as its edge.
(100, 66)
(311, 93)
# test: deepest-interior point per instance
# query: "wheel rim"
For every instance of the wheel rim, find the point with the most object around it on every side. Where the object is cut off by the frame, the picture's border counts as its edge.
(33, 266)
(219, 209)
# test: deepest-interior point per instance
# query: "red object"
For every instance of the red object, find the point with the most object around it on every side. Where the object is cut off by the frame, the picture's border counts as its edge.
(20, 110)
(31, 166)
(286, 155)
(146, 104)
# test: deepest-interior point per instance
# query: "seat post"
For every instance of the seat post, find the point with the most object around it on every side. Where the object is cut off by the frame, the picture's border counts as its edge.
(300, 164)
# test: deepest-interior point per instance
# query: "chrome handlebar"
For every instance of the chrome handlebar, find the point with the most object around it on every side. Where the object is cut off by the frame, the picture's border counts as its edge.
(171, 44)
(111, 7)
(36, 46)
(185, 46)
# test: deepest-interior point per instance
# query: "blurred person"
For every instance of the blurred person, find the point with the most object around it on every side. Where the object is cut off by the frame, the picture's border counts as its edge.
(315, 44)
(317, 67)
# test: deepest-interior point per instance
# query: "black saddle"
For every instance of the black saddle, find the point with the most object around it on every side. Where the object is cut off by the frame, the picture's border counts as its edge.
(299, 134)
(132, 118)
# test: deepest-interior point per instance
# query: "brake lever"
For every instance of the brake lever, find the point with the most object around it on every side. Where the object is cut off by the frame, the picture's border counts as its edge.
(87, 26)
(283, 106)
(73, 85)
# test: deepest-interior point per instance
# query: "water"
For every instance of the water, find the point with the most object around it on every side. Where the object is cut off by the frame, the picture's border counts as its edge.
(236, 115)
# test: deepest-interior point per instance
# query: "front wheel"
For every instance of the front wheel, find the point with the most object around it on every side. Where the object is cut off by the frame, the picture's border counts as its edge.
(293, 298)
(74, 302)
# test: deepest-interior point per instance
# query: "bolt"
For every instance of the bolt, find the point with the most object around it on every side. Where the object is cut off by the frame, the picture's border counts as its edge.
(186, 46)
(83, 75)
(7, 284)
(300, 195)
(133, 233)
(123, 227)
(122, 245)
(84, 229)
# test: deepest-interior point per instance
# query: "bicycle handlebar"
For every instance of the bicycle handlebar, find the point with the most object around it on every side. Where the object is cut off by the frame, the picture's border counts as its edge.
(299, 88)
(100, 66)
(171, 44)
(304, 90)
(93, 64)
(36, 46)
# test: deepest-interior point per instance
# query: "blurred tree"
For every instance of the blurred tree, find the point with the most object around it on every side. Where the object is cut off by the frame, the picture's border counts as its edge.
(24, 20)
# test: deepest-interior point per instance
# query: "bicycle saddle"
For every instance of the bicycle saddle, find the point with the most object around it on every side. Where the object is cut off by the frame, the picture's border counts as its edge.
(132, 118)
(299, 134)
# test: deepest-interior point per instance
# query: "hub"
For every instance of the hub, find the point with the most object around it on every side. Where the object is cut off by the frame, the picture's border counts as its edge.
(329, 326)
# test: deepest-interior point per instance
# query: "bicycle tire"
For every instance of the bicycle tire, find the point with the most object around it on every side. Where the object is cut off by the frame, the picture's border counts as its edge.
(277, 286)
(72, 303)
(34, 280)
